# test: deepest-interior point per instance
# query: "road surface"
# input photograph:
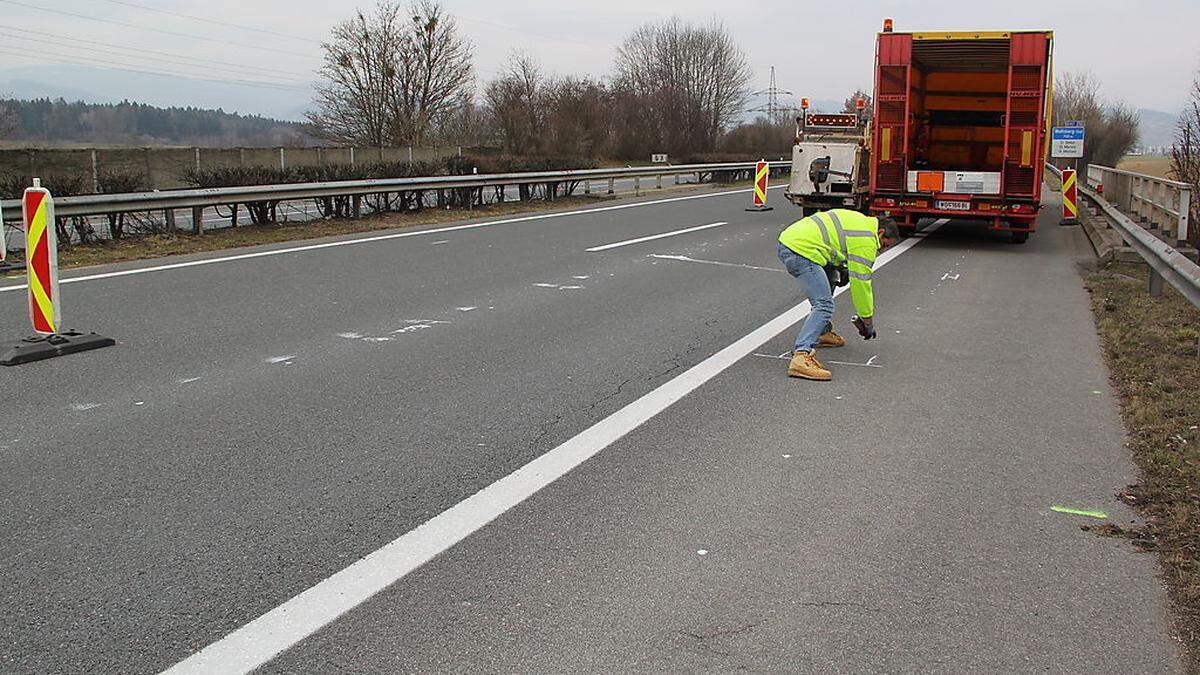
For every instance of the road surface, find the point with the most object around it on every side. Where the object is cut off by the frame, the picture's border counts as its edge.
(268, 420)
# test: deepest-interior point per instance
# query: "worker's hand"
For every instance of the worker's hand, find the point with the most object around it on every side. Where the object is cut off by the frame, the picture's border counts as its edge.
(866, 327)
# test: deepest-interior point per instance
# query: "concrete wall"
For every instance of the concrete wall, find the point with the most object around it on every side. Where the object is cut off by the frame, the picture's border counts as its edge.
(165, 167)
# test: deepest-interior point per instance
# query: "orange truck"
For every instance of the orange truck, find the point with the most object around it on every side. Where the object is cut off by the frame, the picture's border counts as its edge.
(961, 126)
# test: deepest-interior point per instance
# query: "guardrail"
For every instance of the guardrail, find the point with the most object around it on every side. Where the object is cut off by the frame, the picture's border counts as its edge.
(1164, 261)
(198, 199)
(1163, 204)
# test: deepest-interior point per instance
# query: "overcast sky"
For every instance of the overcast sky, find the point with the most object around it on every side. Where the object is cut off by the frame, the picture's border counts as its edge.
(1144, 52)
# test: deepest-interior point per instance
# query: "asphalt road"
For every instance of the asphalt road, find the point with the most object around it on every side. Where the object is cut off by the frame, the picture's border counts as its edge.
(265, 422)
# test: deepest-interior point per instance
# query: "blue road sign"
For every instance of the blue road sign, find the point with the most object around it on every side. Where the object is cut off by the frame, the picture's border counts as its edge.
(1067, 134)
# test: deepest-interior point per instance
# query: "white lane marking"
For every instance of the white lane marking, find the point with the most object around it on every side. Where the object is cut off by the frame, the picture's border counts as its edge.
(684, 258)
(261, 640)
(382, 237)
(652, 237)
(280, 359)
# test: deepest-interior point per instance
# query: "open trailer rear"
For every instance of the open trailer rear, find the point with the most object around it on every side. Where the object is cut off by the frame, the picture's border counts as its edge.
(961, 123)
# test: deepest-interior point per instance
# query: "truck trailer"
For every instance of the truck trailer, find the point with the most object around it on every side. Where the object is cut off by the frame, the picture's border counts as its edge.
(960, 128)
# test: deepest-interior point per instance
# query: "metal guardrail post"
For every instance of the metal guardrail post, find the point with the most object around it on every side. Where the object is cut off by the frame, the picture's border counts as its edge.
(587, 187)
(1155, 284)
(1183, 229)
(169, 218)
(658, 182)
(610, 186)
(198, 219)
(637, 185)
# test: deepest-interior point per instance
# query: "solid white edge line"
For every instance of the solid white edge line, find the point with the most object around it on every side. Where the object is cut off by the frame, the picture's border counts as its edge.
(264, 638)
(627, 242)
(382, 237)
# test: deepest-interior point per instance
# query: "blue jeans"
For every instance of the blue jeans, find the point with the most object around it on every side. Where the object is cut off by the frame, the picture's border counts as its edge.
(815, 285)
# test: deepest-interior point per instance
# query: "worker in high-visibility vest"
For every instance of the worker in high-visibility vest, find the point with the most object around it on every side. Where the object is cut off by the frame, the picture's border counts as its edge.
(825, 250)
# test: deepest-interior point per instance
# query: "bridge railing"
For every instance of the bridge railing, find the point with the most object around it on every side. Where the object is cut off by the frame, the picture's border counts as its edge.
(1164, 260)
(1163, 205)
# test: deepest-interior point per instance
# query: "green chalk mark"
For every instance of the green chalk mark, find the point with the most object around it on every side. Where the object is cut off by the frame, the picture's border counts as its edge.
(1079, 512)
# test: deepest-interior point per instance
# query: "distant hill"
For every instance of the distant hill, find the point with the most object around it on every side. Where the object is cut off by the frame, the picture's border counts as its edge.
(56, 122)
(107, 85)
(1157, 128)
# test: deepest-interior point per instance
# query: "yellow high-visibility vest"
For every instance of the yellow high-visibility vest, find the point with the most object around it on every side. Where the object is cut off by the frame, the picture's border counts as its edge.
(843, 238)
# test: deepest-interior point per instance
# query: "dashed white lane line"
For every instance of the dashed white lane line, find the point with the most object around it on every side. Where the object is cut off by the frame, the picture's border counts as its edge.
(652, 237)
(264, 638)
(382, 237)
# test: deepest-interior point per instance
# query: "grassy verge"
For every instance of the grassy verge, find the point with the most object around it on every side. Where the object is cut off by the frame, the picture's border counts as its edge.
(1151, 348)
(156, 246)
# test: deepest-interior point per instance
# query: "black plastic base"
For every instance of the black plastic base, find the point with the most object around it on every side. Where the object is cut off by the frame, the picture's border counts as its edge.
(43, 347)
(761, 208)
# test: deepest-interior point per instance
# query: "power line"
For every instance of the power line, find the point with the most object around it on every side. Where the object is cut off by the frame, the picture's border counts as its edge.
(156, 30)
(235, 70)
(109, 65)
(216, 22)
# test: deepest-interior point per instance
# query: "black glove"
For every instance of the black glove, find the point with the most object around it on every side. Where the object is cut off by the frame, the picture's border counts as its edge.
(838, 276)
(866, 330)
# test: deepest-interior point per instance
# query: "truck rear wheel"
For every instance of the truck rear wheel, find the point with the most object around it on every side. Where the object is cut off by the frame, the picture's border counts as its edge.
(1020, 236)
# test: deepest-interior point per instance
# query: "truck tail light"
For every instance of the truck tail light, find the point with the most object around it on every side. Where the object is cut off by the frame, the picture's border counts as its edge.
(887, 25)
(885, 201)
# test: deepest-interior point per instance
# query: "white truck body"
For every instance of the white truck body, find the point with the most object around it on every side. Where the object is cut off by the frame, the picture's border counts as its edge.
(829, 163)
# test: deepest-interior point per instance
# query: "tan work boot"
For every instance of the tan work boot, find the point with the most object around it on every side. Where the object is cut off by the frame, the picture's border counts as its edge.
(830, 340)
(806, 365)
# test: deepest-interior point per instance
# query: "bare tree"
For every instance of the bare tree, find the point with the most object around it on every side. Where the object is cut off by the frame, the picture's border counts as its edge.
(353, 103)
(687, 84)
(436, 75)
(1185, 153)
(392, 77)
(850, 105)
(1111, 127)
(514, 101)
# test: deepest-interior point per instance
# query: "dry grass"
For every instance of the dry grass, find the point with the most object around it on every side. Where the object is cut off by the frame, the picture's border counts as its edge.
(1151, 346)
(1151, 166)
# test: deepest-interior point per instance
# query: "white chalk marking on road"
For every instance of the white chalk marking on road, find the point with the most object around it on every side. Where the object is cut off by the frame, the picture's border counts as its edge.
(189, 380)
(466, 309)
(84, 407)
(382, 237)
(948, 276)
(871, 361)
(431, 322)
(869, 364)
(771, 356)
(546, 285)
(570, 288)
(280, 359)
(684, 258)
(264, 638)
(439, 242)
(411, 329)
(787, 456)
(139, 403)
(628, 242)
(350, 336)
(581, 277)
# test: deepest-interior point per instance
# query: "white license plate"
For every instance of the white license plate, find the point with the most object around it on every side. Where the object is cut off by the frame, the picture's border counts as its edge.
(953, 205)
